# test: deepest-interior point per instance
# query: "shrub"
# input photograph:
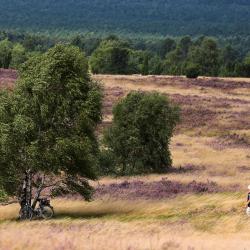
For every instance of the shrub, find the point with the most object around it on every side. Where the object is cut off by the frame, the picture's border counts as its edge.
(192, 71)
(140, 134)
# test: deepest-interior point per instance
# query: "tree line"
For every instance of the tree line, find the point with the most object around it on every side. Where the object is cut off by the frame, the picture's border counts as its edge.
(201, 56)
(114, 55)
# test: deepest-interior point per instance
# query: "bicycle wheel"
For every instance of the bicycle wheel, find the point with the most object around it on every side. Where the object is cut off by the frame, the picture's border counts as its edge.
(47, 212)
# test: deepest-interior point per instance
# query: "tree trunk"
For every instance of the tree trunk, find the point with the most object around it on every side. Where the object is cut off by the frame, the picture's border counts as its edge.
(39, 190)
(26, 195)
(29, 188)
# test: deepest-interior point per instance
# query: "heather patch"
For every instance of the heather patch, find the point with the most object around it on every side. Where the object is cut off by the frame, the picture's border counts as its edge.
(157, 190)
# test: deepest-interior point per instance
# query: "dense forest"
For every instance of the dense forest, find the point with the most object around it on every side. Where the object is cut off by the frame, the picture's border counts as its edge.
(164, 17)
(177, 37)
(118, 55)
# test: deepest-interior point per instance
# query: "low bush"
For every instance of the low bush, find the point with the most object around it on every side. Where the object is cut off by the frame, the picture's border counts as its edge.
(192, 71)
(138, 140)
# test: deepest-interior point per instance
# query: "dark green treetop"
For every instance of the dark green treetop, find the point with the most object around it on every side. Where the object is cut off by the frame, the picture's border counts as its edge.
(206, 56)
(111, 57)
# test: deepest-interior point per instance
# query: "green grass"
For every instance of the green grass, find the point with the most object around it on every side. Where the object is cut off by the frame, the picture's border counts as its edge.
(203, 212)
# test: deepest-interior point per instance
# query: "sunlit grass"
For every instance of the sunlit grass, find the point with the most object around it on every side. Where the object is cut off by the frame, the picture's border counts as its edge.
(185, 221)
(188, 208)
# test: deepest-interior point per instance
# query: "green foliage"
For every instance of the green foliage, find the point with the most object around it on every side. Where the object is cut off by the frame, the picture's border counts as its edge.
(78, 42)
(229, 58)
(18, 56)
(136, 61)
(139, 137)
(174, 63)
(33, 42)
(111, 57)
(116, 55)
(145, 66)
(5, 53)
(206, 56)
(167, 46)
(184, 45)
(176, 59)
(192, 71)
(177, 18)
(155, 66)
(108, 162)
(11, 54)
(243, 68)
(47, 123)
(246, 66)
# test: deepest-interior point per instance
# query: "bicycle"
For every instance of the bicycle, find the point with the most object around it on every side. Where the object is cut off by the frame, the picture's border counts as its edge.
(44, 210)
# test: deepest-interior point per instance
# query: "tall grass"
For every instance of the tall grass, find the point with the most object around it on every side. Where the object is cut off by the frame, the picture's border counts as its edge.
(186, 222)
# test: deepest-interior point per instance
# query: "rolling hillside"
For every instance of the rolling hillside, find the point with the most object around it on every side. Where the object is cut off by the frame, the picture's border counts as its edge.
(172, 17)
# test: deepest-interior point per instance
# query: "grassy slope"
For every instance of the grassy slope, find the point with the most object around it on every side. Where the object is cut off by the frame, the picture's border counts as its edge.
(215, 119)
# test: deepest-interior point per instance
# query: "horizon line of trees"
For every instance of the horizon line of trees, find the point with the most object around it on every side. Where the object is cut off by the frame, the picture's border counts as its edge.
(113, 55)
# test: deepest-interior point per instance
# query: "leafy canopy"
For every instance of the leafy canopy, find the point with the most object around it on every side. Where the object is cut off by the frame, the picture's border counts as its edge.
(18, 56)
(206, 56)
(5, 53)
(111, 57)
(140, 134)
(47, 122)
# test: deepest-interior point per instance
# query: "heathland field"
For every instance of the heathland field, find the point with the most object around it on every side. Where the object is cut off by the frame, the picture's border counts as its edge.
(200, 204)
